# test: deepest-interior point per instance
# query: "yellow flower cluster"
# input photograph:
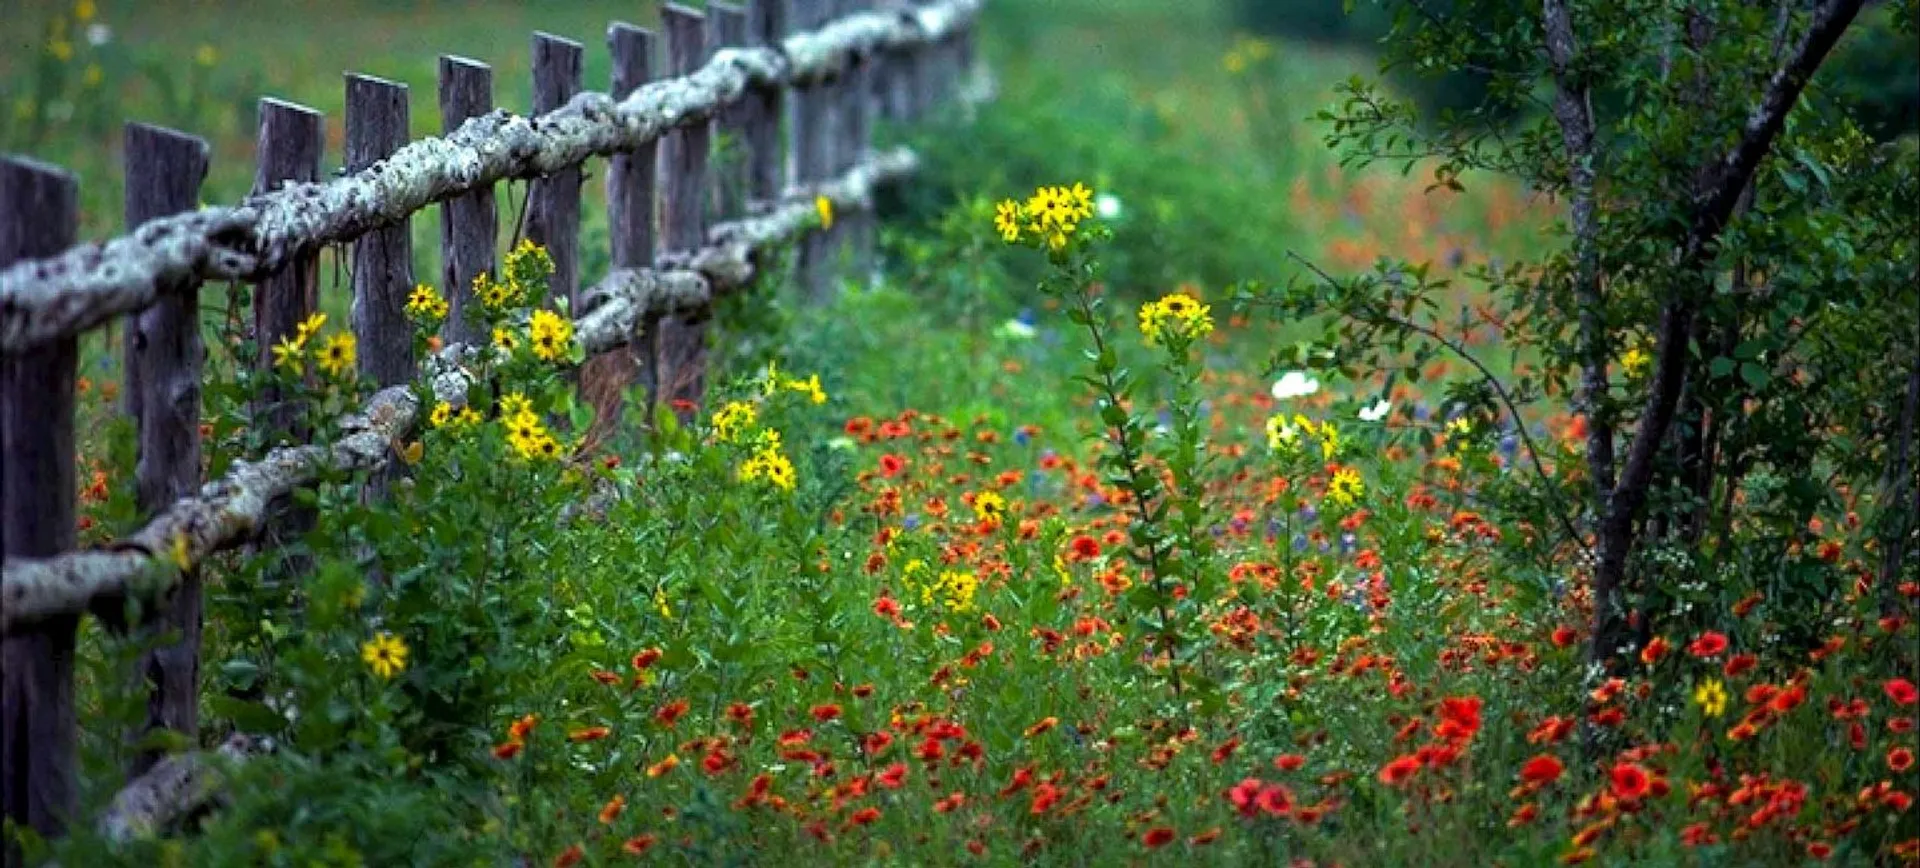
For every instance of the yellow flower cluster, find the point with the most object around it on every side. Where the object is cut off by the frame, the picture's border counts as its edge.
(552, 335)
(444, 416)
(768, 463)
(426, 305)
(1175, 315)
(734, 420)
(336, 355)
(1345, 487)
(529, 438)
(1285, 436)
(1246, 51)
(1051, 215)
(528, 265)
(772, 381)
(953, 590)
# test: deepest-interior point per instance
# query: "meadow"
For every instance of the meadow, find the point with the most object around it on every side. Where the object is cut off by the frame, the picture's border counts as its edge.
(1110, 522)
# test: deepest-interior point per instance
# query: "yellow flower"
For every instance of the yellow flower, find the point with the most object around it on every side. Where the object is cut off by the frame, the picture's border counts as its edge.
(528, 265)
(552, 335)
(337, 355)
(495, 295)
(505, 339)
(514, 404)
(61, 49)
(733, 420)
(811, 387)
(426, 305)
(84, 11)
(1460, 426)
(1006, 220)
(179, 553)
(1175, 315)
(1635, 362)
(824, 205)
(990, 507)
(468, 416)
(1282, 436)
(309, 327)
(660, 602)
(441, 415)
(289, 356)
(205, 56)
(1711, 696)
(768, 464)
(1345, 488)
(385, 654)
(1329, 440)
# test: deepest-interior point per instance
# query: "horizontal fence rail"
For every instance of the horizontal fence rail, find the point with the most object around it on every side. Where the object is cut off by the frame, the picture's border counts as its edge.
(797, 88)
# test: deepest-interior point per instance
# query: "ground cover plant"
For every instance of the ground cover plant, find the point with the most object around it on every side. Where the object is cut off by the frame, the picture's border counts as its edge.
(1176, 495)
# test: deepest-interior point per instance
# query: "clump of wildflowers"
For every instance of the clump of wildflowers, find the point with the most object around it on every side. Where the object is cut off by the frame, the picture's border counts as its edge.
(1048, 218)
(1177, 314)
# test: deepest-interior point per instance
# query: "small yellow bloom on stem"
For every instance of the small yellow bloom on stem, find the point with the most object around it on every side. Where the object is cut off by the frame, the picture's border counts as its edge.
(824, 205)
(1711, 696)
(385, 654)
(1175, 314)
(338, 355)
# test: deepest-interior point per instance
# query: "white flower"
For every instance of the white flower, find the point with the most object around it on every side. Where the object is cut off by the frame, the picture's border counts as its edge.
(1014, 328)
(1376, 412)
(1106, 206)
(99, 34)
(1294, 384)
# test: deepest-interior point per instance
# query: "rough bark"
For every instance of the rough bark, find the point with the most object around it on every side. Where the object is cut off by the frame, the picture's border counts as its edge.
(173, 789)
(228, 511)
(44, 299)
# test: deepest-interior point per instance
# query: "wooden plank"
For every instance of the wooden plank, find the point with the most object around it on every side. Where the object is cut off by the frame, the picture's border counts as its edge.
(289, 149)
(681, 358)
(727, 28)
(632, 184)
(382, 259)
(469, 224)
(553, 216)
(39, 217)
(765, 109)
(164, 170)
(856, 139)
(811, 145)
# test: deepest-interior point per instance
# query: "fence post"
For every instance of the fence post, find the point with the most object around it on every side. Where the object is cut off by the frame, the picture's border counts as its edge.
(164, 171)
(553, 218)
(812, 156)
(727, 28)
(289, 149)
(39, 217)
(682, 350)
(631, 183)
(383, 258)
(927, 74)
(469, 224)
(856, 138)
(766, 26)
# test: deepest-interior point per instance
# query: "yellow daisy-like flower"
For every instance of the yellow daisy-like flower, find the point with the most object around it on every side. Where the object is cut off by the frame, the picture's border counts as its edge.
(990, 507)
(468, 416)
(289, 356)
(309, 327)
(385, 654)
(824, 206)
(1711, 696)
(505, 339)
(441, 415)
(810, 387)
(338, 354)
(1006, 220)
(733, 420)
(527, 265)
(1283, 436)
(426, 305)
(1175, 315)
(1635, 362)
(1345, 488)
(551, 334)
(514, 404)
(1329, 440)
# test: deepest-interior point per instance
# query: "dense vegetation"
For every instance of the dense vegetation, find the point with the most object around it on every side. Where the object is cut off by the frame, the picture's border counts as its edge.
(1497, 483)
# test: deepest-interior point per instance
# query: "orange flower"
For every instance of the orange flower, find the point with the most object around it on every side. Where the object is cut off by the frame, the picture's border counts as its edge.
(1654, 650)
(645, 659)
(589, 733)
(570, 857)
(508, 750)
(638, 845)
(520, 728)
(670, 713)
(611, 810)
(1044, 724)
(662, 767)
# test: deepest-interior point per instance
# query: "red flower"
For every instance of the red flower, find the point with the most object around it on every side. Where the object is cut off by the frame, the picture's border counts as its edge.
(589, 733)
(1157, 837)
(894, 777)
(1276, 801)
(638, 845)
(891, 465)
(740, 713)
(1900, 759)
(1901, 691)
(1563, 636)
(570, 857)
(824, 713)
(1819, 849)
(1083, 548)
(1542, 769)
(509, 750)
(670, 713)
(1459, 717)
(646, 658)
(1708, 644)
(1225, 750)
(864, 816)
(1630, 781)
(1399, 770)
(1289, 762)
(1244, 795)
(1654, 650)
(1044, 797)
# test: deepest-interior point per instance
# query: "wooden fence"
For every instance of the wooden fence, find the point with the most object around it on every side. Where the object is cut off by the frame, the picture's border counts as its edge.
(821, 70)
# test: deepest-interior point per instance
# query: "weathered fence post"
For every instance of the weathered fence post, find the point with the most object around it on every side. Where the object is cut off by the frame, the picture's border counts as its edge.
(289, 149)
(469, 224)
(383, 258)
(164, 172)
(856, 135)
(553, 218)
(39, 216)
(631, 184)
(766, 173)
(727, 28)
(682, 349)
(812, 154)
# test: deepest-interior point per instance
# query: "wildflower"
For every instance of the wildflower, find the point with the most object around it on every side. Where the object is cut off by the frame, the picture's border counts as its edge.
(1654, 650)
(670, 713)
(288, 355)
(1376, 411)
(520, 729)
(1157, 837)
(509, 749)
(1900, 759)
(551, 334)
(824, 713)
(1044, 724)
(1176, 315)
(824, 206)
(589, 733)
(1711, 696)
(990, 507)
(1400, 770)
(1345, 488)
(664, 766)
(309, 327)
(1635, 362)
(1630, 781)
(385, 654)
(1294, 384)
(1283, 436)
(1901, 691)
(638, 845)
(505, 339)
(1275, 800)
(1708, 645)
(1542, 770)
(1289, 762)
(612, 809)
(441, 415)
(425, 304)
(570, 857)
(1006, 220)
